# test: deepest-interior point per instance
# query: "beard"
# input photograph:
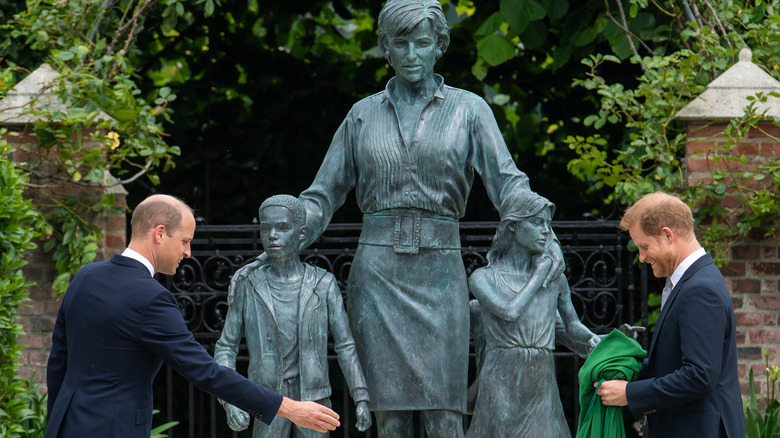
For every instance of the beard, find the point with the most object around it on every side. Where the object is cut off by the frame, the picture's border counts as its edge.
(663, 265)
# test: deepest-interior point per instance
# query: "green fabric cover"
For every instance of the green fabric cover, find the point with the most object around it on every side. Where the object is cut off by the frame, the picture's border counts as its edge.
(615, 357)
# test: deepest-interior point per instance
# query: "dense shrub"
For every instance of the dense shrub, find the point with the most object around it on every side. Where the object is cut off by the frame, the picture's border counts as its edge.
(17, 225)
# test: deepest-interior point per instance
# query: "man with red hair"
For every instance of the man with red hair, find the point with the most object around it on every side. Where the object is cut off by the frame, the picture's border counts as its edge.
(689, 385)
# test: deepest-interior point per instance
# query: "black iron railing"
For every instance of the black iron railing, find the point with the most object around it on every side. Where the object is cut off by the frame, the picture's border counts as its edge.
(607, 290)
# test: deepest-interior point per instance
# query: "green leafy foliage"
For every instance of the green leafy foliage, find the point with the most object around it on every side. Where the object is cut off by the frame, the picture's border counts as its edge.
(261, 90)
(757, 211)
(18, 220)
(648, 156)
(768, 424)
(33, 419)
(103, 125)
(76, 239)
(158, 432)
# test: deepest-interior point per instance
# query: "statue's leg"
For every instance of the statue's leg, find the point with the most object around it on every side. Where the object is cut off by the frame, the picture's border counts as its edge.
(443, 424)
(394, 424)
(280, 427)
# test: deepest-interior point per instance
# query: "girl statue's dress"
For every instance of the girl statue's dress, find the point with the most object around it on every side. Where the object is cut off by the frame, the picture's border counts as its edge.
(514, 322)
(518, 392)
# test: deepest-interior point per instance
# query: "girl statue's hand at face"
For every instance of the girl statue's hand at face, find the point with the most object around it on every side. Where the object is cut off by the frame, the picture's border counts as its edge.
(542, 263)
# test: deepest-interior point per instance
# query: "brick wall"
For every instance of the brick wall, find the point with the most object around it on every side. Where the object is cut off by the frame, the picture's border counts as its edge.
(752, 276)
(38, 315)
(753, 269)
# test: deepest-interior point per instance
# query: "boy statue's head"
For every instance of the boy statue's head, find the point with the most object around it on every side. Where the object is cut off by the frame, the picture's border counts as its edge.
(282, 226)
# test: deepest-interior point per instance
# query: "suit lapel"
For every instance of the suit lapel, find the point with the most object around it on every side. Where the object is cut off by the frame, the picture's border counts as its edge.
(704, 260)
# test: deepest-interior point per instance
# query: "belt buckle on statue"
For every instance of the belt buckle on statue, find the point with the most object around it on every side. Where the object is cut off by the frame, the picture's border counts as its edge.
(406, 234)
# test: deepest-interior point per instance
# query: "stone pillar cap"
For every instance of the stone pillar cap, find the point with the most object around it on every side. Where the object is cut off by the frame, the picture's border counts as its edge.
(33, 92)
(726, 97)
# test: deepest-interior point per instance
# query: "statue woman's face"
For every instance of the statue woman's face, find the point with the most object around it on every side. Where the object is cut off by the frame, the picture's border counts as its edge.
(533, 232)
(414, 55)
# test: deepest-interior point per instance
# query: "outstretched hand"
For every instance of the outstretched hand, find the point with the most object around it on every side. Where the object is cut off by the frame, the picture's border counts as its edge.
(237, 419)
(309, 414)
(363, 416)
(593, 341)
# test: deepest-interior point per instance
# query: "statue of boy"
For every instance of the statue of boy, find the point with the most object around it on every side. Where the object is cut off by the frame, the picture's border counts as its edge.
(284, 309)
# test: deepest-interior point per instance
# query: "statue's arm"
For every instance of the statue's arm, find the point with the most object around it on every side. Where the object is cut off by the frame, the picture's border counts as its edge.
(490, 157)
(226, 349)
(562, 336)
(575, 330)
(347, 354)
(511, 307)
(344, 343)
(334, 180)
(494, 164)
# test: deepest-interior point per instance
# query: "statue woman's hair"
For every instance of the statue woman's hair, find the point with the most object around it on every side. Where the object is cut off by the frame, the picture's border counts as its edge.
(517, 206)
(399, 17)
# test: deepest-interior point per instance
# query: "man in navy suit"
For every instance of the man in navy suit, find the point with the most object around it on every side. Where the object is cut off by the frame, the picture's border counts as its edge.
(689, 385)
(117, 324)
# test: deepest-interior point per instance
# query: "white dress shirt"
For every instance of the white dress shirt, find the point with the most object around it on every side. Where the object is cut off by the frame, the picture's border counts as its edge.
(129, 253)
(678, 273)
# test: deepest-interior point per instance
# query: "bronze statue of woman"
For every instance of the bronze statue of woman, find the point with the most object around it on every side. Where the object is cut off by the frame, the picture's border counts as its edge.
(411, 153)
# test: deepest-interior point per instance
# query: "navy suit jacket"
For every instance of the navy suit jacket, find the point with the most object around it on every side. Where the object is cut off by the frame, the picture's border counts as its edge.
(689, 385)
(115, 327)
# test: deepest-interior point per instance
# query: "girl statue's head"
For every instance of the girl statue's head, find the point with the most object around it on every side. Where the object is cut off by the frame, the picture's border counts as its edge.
(520, 205)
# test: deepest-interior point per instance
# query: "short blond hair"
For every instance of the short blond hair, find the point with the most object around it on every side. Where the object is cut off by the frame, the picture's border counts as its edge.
(657, 210)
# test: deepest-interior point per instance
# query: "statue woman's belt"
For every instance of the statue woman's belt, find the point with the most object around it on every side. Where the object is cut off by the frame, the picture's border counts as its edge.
(408, 230)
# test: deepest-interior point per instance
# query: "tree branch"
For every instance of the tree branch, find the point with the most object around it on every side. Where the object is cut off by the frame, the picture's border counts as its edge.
(718, 22)
(129, 25)
(687, 11)
(699, 18)
(623, 25)
(140, 173)
(107, 4)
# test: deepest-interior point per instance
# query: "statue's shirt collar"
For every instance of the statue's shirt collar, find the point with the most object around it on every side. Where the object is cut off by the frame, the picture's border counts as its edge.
(390, 92)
